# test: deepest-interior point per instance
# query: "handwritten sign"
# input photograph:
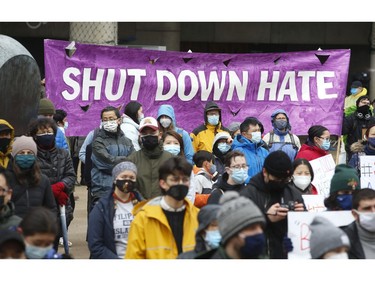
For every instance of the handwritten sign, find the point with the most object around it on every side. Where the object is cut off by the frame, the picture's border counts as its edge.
(299, 229)
(367, 165)
(314, 203)
(324, 169)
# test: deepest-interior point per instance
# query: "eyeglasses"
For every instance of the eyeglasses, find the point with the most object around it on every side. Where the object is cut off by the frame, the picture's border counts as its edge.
(244, 167)
(326, 139)
(109, 119)
(3, 191)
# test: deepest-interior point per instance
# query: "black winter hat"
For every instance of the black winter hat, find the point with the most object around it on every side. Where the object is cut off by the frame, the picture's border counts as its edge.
(365, 97)
(211, 105)
(278, 164)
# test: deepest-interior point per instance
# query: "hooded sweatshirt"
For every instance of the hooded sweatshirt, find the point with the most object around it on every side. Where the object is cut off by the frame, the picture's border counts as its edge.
(6, 155)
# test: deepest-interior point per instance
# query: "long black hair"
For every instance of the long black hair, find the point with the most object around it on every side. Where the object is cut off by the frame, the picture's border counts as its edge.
(131, 110)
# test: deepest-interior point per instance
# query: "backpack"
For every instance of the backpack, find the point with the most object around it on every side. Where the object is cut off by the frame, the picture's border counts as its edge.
(293, 143)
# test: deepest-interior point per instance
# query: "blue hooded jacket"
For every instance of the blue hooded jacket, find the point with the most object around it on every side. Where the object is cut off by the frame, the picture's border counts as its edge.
(166, 109)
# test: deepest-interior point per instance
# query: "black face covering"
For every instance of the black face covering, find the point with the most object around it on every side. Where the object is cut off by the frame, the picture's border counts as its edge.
(275, 186)
(4, 142)
(126, 186)
(45, 141)
(2, 200)
(150, 142)
(178, 191)
(365, 109)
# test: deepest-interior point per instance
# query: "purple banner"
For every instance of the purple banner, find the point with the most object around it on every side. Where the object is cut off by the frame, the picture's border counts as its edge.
(310, 86)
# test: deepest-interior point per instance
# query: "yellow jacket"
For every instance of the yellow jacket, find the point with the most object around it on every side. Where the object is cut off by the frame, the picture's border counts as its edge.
(6, 156)
(150, 236)
(204, 135)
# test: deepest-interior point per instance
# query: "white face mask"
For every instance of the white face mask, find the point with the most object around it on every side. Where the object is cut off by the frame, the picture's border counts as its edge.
(367, 220)
(110, 126)
(256, 137)
(165, 122)
(341, 256)
(140, 117)
(302, 182)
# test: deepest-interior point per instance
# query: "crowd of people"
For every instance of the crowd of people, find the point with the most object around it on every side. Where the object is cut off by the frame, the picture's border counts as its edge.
(156, 191)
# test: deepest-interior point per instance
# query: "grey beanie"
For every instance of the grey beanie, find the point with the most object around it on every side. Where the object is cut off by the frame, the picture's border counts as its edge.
(23, 142)
(206, 215)
(234, 126)
(123, 166)
(236, 213)
(325, 237)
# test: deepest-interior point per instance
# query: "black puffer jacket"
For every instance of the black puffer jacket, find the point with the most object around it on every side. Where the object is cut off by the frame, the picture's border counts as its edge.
(275, 232)
(57, 165)
(25, 197)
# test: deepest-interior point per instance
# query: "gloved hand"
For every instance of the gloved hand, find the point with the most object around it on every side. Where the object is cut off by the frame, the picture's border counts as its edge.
(59, 194)
(287, 244)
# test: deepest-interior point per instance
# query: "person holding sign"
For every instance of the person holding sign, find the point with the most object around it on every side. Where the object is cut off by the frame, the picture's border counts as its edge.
(363, 147)
(270, 191)
(317, 143)
(344, 181)
(361, 232)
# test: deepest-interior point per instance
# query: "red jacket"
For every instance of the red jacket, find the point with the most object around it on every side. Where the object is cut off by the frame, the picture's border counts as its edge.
(310, 152)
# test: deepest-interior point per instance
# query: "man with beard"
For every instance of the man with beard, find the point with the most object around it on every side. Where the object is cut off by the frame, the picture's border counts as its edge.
(149, 158)
(270, 192)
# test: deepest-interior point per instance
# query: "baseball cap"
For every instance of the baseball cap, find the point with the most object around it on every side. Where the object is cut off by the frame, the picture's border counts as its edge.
(149, 122)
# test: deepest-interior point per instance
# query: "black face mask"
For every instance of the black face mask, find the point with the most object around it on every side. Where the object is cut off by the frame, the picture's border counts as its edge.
(4, 142)
(275, 186)
(126, 186)
(150, 142)
(178, 191)
(2, 200)
(45, 141)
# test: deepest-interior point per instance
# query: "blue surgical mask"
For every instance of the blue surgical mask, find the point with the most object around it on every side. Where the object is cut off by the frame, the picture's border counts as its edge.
(254, 245)
(256, 137)
(212, 169)
(223, 147)
(172, 148)
(213, 238)
(353, 91)
(66, 125)
(371, 141)
(344, 201)
(239, 176)
(34, 252)
(326, 144)
(25, 161)
(281, 124)
(213, 119)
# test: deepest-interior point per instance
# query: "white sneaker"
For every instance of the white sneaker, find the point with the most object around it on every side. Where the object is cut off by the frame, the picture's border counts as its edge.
(61, 243)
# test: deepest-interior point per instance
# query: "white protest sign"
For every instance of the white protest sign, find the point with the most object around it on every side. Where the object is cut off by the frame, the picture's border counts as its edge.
(367, 165)
(324, 168)
(299, 229)
(314, 203)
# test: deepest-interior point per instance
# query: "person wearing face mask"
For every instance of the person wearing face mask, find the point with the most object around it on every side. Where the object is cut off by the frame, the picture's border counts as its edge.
(149, 158)
(328, 241)
(361, 232)
(269, 189)
(250, 143)
(56, 163)
(221, 147)
(133, 114)
(8, 218)
(167, 122)
(30, 186)
(207, 236)
(281, 137)
(233, 178)
(39, 229)
(6, 140)
(362, 147)
(241, 225)
(165, 226)
(356, 90)
(355, 125)
(203, 135)
(344, 182)
(109, 147)
(303, 175)
(110, 219)
(317, 143)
